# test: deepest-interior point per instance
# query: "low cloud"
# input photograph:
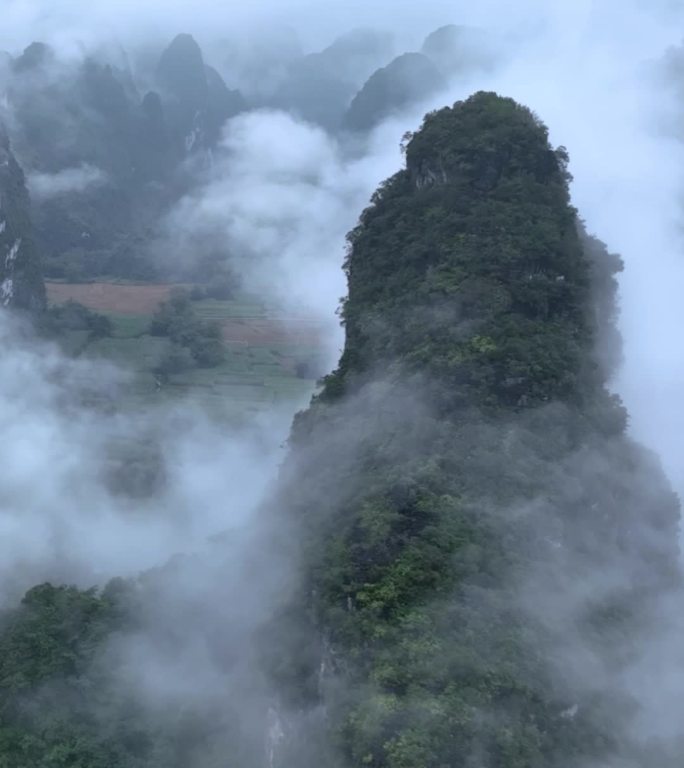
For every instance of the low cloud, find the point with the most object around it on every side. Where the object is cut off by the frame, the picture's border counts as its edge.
(61, 516)
(44, 186)
(277, 203)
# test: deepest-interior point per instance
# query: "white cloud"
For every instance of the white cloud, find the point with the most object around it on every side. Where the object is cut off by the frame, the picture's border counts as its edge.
(44, 186)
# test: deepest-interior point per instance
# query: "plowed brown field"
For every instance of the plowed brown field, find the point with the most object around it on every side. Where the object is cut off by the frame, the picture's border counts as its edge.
(143, 299)
(120, 298)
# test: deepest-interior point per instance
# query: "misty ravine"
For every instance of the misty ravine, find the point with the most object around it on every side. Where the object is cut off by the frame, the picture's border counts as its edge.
(339, 404)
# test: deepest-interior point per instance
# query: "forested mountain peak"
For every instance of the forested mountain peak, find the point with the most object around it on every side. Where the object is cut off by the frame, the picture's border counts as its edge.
(199, 99)
(181, 71)
(465, 469)
(469, 264)
(35, 56)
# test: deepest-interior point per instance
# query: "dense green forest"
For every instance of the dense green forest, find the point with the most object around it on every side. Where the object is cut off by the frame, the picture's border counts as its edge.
(460, 525)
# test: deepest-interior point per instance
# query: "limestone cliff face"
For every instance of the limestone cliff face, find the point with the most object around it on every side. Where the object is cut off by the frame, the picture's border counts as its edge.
(21, 282)
(197, 99)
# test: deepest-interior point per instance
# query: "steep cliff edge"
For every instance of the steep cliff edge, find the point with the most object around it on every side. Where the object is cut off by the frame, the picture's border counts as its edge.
(21, 281)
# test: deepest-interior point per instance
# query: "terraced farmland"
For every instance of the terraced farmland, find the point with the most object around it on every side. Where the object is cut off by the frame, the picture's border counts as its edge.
(269, 358)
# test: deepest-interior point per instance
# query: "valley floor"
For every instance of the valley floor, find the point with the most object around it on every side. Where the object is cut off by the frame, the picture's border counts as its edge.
(270, 356)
